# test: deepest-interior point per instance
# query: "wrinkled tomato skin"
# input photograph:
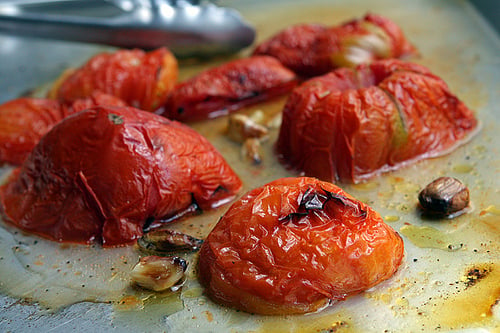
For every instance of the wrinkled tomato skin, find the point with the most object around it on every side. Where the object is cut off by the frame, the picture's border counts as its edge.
(269, 255)
(228, 87)
(141, 79)
(116, 168)
(294, 47)
(24, 121)
(313, 49)
(350, 125)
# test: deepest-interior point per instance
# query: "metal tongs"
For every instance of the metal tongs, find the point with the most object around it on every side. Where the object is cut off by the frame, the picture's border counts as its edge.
(187, 28)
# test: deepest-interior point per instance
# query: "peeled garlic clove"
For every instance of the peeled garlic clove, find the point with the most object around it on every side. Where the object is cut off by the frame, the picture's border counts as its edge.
(158, 273)
(445, 196)
(164, 241)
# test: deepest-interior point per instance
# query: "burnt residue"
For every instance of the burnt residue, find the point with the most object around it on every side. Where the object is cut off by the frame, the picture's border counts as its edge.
(314, 201)
(474, 275)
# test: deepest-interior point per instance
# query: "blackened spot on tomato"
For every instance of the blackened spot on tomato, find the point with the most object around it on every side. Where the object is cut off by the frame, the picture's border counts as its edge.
(180, 110)
(345, 201)
(242, 78)
(219, 188)
(314, 201)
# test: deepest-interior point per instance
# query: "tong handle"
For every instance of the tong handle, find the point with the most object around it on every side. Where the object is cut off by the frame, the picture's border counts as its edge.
(186, 29)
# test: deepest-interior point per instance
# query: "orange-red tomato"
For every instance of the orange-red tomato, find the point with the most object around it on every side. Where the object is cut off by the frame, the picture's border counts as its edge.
(228, 87)
(314, 49)
(141, 79)
(24, 121)
(295, 245)
(106, 173)
(351, 124)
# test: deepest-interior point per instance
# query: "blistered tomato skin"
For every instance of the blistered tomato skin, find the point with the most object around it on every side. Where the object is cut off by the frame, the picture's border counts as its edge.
(116, 169)
(314, 49)
(141, 79)
(23, 121)
(352, 124)
(295, 245)
(228, 87)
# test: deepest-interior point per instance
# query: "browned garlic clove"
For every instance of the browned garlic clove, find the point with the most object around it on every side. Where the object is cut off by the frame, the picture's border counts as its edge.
(251, 151)
(165, 241)
(444, 196)
(159, 273)
(241, 128)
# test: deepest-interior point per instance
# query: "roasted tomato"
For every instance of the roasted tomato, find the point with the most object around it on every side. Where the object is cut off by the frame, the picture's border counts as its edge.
(314, 49)
(24, 121)
(295, 245)
(220, 90)
(351, 124)
(106, 173)
(141, 79)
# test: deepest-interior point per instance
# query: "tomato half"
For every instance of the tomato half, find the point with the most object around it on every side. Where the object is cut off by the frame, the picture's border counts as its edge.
(295, 245)
(353, 123)
(106, 173)
(314, 49)
(141, 79)
(24, 121)
(228, 87)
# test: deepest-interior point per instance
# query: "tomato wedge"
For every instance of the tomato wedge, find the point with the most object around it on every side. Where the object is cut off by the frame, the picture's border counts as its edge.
(351, 124)
(141, 79)
(314, 49)
(228, 87)
(106, 173)
(294, 246)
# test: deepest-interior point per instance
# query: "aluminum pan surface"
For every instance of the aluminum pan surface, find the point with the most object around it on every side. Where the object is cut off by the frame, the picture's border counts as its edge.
(457, 44)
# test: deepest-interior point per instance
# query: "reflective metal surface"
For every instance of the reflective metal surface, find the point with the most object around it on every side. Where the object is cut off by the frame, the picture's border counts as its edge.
(187, 29)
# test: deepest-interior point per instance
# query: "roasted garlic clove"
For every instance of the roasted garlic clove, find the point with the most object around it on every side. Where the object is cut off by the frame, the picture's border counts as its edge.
(251, 151)
(159, 273)
(363, 48)
(241, 128)
(444, 196)
(164, 241)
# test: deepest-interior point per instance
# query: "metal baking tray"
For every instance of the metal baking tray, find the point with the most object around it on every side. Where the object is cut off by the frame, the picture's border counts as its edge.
(450, 278)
